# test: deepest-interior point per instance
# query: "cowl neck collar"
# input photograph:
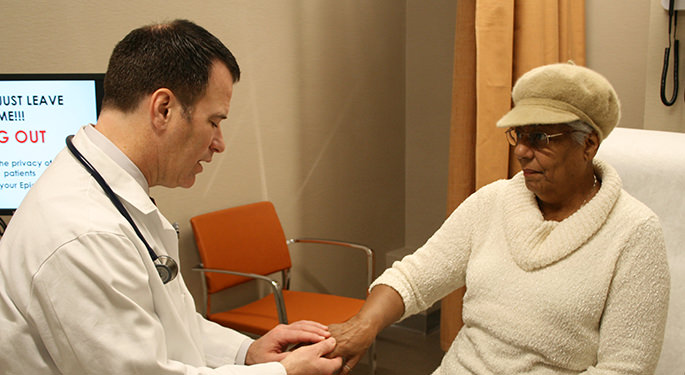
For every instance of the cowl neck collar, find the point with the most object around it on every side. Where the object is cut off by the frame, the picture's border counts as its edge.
(535, 242)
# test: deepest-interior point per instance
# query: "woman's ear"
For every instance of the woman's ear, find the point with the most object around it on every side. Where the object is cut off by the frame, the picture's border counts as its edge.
(161, 102)
(591, 146)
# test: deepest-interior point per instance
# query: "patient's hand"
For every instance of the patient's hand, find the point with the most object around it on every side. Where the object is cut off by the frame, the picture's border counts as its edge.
(353, 339)
(383, 306)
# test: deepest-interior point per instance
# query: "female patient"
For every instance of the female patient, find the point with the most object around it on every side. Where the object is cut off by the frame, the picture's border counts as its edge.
(565, 272)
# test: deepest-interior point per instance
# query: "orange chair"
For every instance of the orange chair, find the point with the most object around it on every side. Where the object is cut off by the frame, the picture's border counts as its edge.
(247, 242)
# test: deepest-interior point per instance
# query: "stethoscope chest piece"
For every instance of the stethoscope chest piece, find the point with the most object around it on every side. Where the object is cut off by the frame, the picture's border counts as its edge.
(167, 268)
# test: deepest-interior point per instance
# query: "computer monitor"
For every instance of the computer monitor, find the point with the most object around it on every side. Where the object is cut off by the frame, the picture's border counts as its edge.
(37, 112)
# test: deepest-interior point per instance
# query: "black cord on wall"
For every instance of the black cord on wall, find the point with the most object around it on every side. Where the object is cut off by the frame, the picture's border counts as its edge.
(672, 43)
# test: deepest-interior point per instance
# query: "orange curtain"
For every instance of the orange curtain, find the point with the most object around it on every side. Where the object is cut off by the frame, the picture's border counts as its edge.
(496, 41)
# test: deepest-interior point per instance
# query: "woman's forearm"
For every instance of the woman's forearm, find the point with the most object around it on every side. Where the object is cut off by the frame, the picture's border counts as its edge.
(383, 307)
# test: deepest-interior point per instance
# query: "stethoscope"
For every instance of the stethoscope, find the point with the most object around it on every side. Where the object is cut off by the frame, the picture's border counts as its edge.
(166, 266)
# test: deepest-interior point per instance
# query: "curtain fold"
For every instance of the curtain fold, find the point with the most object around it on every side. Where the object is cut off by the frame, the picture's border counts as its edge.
(462, 153)
(496, 41)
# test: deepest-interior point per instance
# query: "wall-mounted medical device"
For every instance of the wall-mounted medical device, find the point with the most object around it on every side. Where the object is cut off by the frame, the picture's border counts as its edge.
(673, 44)
(677, 4)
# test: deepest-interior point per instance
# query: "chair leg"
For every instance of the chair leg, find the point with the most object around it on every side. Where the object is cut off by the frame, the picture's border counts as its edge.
(372, 358)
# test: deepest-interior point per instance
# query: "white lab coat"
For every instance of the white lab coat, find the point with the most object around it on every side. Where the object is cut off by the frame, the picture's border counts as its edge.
(79, 293)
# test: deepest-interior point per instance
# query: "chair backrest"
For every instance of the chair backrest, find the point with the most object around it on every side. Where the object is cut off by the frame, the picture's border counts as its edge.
(652, 166)
(246, 238)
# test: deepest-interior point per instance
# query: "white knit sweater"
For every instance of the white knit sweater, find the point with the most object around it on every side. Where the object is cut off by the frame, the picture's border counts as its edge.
(585, 295)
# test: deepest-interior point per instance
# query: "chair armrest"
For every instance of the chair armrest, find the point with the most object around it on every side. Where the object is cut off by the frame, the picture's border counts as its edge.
(275, 286)
(367, 250)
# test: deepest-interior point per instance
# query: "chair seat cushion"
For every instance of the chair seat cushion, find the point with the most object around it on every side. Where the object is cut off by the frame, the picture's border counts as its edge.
(261, 316)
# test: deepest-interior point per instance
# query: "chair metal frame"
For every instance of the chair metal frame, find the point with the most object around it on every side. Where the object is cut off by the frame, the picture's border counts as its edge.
(277, 288)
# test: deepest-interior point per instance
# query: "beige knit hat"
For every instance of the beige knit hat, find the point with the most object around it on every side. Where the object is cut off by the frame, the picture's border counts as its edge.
(561, 93)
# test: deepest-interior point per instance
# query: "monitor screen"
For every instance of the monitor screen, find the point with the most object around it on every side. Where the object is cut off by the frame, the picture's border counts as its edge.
(37, 113)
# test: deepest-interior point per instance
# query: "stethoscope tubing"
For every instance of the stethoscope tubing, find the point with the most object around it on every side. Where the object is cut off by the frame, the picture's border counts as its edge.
(120, 207)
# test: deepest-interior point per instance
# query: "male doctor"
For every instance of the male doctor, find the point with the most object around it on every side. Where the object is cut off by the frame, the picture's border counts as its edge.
(79, 291)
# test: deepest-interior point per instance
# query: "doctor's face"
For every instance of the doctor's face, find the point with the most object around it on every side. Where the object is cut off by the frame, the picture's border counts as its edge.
(197, 133)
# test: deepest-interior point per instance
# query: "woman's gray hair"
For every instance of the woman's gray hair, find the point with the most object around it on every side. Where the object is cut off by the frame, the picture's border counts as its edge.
(580, 131)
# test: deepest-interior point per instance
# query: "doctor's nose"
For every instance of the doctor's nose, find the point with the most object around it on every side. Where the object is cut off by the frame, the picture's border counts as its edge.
(218, 144)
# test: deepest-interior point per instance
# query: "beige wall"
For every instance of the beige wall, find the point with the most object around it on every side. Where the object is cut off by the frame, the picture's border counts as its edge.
(317, 124)
(342, 115)
(429, 58)
(657, 115)
(625, 42)
(617, 48)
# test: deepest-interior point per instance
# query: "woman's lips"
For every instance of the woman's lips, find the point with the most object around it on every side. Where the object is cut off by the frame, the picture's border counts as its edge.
(529, 172)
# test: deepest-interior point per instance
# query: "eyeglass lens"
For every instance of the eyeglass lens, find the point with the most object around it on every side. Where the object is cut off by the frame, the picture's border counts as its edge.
(533, 139)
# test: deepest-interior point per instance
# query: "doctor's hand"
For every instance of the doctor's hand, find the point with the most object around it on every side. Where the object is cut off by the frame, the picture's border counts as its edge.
(310, 360)
(273, 346)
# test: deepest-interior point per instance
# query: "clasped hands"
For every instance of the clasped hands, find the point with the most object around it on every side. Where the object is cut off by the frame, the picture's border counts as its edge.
(333, 350)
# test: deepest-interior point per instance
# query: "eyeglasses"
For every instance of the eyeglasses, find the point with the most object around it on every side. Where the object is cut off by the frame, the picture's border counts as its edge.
(532, 139)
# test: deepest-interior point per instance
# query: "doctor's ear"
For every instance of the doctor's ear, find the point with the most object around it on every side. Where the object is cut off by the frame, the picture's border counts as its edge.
(160, 105)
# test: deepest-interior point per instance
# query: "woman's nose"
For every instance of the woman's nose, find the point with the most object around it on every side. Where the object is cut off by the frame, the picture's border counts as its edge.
(522, 150)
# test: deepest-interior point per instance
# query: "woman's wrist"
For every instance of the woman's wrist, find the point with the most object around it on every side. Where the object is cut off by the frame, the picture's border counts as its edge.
(383, 307)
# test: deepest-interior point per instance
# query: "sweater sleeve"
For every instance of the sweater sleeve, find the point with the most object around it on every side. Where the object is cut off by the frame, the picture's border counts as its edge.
(632, 327)
(439, 266)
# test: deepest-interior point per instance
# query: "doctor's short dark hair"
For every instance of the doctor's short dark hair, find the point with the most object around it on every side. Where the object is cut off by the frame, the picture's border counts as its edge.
(177, 55)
